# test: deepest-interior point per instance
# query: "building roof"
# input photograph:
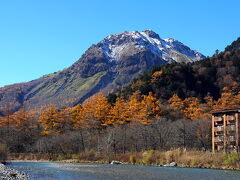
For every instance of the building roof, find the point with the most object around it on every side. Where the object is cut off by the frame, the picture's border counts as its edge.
(225, 111)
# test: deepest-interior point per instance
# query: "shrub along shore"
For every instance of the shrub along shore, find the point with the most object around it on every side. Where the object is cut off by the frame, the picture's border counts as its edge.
(193, 159)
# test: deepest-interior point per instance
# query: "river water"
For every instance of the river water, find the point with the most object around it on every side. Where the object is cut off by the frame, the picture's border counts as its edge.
(87, 171)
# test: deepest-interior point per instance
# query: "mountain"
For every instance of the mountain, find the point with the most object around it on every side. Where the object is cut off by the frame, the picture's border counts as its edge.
(108, 65)
(198, 79)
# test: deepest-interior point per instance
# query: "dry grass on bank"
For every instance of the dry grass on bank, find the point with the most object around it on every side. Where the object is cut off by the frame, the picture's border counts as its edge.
(183, 158)
(3, 153)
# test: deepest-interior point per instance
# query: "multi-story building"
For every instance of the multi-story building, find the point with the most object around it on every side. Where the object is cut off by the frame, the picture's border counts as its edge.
(225, 130)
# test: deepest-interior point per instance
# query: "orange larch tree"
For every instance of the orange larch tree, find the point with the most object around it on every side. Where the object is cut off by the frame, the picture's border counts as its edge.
(189, 107)
(176, 103)
(6, 120)
(24, 121)
(49, 119)
(119, 113)
(156, 75)
(96, 110)
(192, 108)
(79, 121)
(64, 121)
(78, 117)
(151, 109)
(209, 103)
(136, 112)
(230, 98)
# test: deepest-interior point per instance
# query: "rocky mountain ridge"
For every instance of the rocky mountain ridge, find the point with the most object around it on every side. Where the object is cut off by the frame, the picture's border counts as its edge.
(114, 45)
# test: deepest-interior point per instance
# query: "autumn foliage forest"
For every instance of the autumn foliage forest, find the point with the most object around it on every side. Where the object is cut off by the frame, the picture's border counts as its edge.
(139, 123)
(166, 108)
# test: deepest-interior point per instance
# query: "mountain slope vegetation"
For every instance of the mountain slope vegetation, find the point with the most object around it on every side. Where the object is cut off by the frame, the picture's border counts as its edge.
(198, 79)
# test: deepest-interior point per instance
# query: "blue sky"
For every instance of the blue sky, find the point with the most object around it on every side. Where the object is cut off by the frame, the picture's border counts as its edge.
(41, 37)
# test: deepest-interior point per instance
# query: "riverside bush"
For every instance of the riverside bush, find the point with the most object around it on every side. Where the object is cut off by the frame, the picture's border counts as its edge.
(232, 160)
(148, 157)
(173, 155)
(132, 159)
(89, 155)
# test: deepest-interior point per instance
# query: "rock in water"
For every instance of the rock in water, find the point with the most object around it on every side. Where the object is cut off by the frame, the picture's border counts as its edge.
(116, 162)
(172, 164)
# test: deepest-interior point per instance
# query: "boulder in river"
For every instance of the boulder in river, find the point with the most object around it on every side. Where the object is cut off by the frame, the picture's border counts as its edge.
(172, 164)
(116, 162)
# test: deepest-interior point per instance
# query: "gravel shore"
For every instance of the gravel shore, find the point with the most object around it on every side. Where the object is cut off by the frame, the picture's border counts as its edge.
(7, 173)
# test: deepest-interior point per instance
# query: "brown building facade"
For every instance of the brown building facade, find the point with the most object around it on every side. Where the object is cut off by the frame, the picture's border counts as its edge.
(225, 130)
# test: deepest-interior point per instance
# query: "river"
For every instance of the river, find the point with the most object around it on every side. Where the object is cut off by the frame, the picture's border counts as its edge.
(90, 171)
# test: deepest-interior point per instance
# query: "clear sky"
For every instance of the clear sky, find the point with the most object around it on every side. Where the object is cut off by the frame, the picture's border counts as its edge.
(44, 36)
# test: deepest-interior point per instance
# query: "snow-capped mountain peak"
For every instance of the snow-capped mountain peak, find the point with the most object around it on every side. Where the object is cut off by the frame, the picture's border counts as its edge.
(113, 46)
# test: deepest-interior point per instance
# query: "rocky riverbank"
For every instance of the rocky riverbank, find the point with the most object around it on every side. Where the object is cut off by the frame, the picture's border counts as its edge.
(7, 173)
